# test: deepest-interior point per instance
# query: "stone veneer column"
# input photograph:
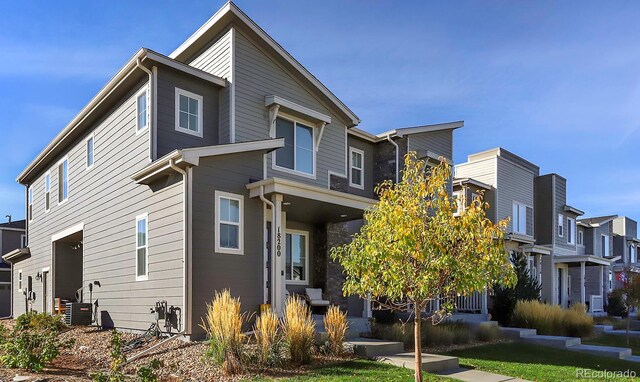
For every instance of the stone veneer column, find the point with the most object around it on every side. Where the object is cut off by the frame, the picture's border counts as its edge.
(336, 234)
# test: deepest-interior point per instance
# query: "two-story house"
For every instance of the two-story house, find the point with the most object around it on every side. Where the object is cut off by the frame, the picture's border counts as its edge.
(12, 237)
(625, 250)
(224, 165)
(506, 181)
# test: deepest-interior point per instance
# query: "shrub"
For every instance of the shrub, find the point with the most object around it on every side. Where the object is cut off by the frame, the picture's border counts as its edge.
(299, 330)
(577, 322)
(336, 326)
(148, 373)
(40, 322)
(223, 325)
(616, 305)
(487, 333)
(552, 319)
(268, 339)
(527, 288)
(437, 335)
(117, 360)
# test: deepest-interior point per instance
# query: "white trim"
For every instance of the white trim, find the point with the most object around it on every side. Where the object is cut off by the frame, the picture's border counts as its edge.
(30, 203)
(580, 238)
(607, 245)
(47, 176)
(571, 236)
(460, 202)
(352, 167)
(329, 173)
(306, 258)
(91, 137)
(274, 159)
(20, 280)
(142, 91)
(285, 103)
(46, 269)
(560, 224)
(60, 182)
(197, 97)
(71, 230)
(145, 217)
(23, 240)
(240, 198)
(232, 87)
(513, 220)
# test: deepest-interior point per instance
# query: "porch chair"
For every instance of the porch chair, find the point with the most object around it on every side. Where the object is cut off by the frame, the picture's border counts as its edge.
(316, 299)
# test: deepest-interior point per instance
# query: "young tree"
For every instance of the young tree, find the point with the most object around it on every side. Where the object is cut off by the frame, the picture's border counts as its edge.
(631, 287)
(413, 250)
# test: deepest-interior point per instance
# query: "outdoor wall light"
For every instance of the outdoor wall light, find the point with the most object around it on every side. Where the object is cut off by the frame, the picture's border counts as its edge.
(38, 276)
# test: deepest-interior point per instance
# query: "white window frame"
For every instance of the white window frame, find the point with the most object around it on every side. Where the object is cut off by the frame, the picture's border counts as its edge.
(144, 217)
(91, 138)
(20, 280)
(633, 254)
(306, 258)
(218, 248)
(313, 150)
(458, 195)
(571, 231)
(610, 281)
(140, 129)
(606, 249)
(198, 98)
(518, 208)
(30, 203)
(47, 191)
(532, 267)
(60, 183)
(352, 167)
(23, 240)
(580, 238)
(560, 225)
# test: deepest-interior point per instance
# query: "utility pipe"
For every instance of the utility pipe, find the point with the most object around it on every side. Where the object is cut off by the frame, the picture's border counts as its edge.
(273, 220)
(397, 155)
(185, 258)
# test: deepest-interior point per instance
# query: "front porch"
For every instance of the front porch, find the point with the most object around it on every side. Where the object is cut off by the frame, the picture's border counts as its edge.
(302, 223)
(585, 280)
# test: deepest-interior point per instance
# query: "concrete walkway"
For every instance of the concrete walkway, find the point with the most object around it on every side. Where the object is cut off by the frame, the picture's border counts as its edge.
(608, 329)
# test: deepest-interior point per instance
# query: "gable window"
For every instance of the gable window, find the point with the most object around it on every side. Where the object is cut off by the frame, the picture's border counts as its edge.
(298, 153)
(229, 223)
(604, 245)
(188, 112)
(20, 280)
(560, 225)
(47, 192)
(63, 180)
(571, 231)
(141, 111)
(297, 248)
(356, 166)
(90, 146)
(142, 247)
(633, 254)
(519, 218)
(30, 207)
(580, 238)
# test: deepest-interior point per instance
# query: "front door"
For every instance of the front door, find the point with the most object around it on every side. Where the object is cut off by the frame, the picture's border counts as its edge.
(560, 287)
(45, 291)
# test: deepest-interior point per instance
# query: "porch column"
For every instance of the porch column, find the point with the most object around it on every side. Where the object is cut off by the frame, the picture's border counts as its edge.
(278, 285)
(539, 261)
(601, 283)
(485, 303)
(366, 313)
(583, 297)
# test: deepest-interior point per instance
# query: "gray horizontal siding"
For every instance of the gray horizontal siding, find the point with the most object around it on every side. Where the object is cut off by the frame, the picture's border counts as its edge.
(256, 75)
(514, 184)
(438, 142)
(107, 201)
(483, 171)
(560, 202)
(369, 169)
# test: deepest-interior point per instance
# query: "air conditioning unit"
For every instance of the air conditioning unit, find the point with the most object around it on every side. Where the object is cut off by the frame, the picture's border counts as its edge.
(78, 313)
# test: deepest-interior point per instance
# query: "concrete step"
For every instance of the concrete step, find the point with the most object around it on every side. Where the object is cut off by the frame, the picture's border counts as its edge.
(552, 341)
(431, 363)
(472, 375)
(517, 333)
(602, 328)
(632, 333)
(633, 358)
(370, 348)
(603, 351)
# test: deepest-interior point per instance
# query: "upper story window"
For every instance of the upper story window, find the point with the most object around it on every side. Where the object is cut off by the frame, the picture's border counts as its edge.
(604, 245)
(458, 197)
(142, 247)
(297, 259)
(519, 218)
(47, 192)
(90, 146)
(141, 110)
(298, 153)
(30, 206)
(633, 254)
(571, 231)
(580, 238)
(188, 112)
(560, 225)
(356, 165)
(20, 280)
(63, 180)
(229, 223)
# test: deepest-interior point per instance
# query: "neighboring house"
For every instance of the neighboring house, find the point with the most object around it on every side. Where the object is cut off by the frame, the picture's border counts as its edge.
(507, 183)
(573, 274)
(12, 236)
(223, 165)
(625, 250)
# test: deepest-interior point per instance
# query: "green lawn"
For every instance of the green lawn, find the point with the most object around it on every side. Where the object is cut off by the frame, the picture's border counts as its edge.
(615, 340)
(538, 363)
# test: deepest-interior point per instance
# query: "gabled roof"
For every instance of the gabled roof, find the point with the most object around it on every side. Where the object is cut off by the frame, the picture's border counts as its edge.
(404, 131)
(597, 221)
(115, 87)
(230, 13)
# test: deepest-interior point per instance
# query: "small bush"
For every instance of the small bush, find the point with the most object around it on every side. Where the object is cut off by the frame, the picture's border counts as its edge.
(40, 322)
(223, 325)
(299, 330)
(552, 319)
(486, 333)
(616, 305)
(148, 373)
(336, 326)
(268, 339)
(437, 335)
(117, 360)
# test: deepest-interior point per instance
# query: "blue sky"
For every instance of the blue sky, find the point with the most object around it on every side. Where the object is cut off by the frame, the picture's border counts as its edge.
(555, 82)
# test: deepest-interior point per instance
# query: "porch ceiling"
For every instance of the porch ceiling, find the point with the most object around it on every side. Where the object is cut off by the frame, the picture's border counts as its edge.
(574, 261)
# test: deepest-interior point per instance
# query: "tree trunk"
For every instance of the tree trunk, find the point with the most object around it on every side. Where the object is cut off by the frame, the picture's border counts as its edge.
(417, 341)
(628, 323)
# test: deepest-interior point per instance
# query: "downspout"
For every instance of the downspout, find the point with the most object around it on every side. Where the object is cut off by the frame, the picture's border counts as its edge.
(397, 155)
(273, 219)
(151, 106)
(185, 250)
